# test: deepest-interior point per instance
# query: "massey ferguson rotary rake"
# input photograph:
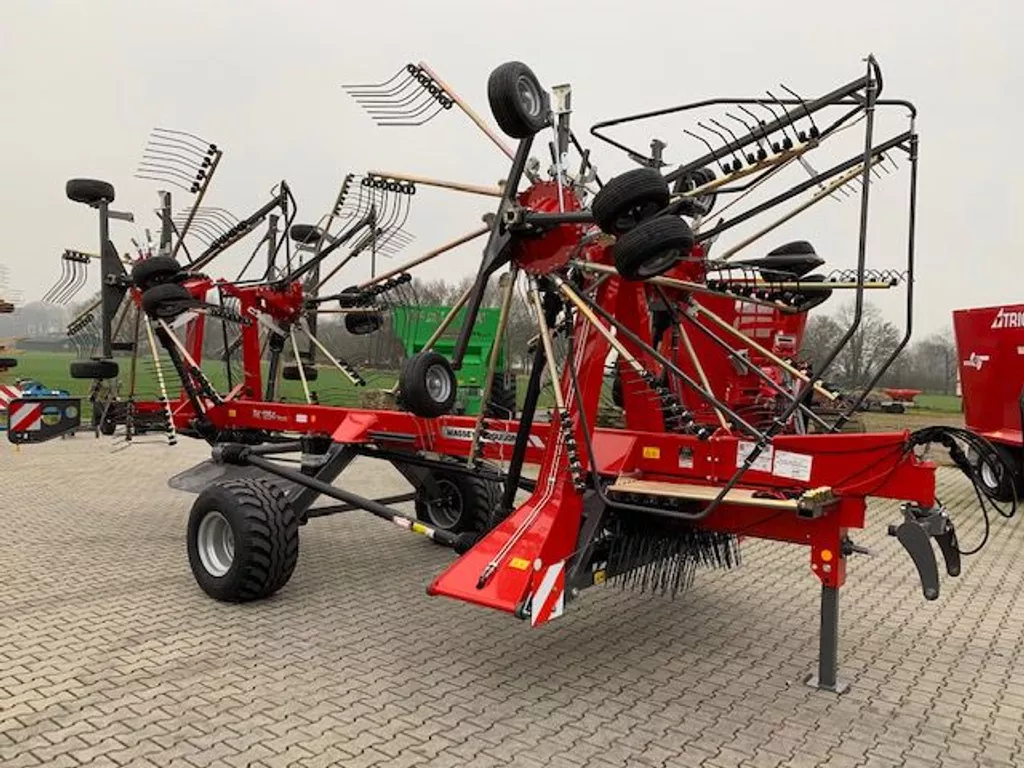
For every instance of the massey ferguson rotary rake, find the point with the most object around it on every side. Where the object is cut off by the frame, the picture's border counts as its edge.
(719, 440)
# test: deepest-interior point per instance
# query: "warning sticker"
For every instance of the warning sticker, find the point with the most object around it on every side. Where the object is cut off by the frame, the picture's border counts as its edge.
(763, 462)
(795, 466)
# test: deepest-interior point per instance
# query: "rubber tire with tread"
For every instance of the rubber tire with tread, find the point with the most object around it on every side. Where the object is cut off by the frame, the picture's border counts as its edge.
(502, 403)
(93, 369)
(166, 300)
(363, 323)
(306, 234)
(89, 191)
(648, 243)
(266, 533)
(153, 271)
(413, 387)
(480, 500)
(628, 199)
(290, 372)
(1006, 486)
(506, 106)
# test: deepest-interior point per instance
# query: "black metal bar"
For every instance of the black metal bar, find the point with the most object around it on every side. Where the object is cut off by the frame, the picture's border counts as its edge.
(803, 187)
(368, 505)
(828, 644)
(553, 219)
(911, 238)
(862, 244)
(494, 252)
(343, 238)
(240, 230)
(515, 467)
(339, 457)
(336, 509)
(843, 92)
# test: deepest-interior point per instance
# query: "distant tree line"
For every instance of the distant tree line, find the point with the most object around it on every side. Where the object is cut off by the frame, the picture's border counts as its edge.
(928, 363)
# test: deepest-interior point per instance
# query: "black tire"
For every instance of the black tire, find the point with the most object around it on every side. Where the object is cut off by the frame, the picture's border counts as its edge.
(153, 271)
(462, 503)
(518, 102)
(290, 372)
(696, 206)
(422, 373)
(363, 323)
(811, 299)
(8, 362)
(93, 369)
(265, 538)
(167, 300)
(502, 403)
(89, 191)
(628, 199)
(999, 473)
(617, 389)
(306, 234)
(652, 248)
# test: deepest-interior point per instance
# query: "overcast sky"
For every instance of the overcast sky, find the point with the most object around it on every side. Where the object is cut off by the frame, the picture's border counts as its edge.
(82, 83)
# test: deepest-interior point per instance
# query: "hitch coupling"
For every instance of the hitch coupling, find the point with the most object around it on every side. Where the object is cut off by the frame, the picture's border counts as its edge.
(915, 533)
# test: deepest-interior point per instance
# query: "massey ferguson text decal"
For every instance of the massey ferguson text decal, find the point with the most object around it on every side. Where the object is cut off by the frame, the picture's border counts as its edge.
(488, 436)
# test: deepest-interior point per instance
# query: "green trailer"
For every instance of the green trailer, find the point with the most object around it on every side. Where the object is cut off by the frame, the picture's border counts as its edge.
(413, 326)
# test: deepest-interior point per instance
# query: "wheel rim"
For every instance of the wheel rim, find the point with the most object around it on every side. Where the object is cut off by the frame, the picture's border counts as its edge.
(529, 97)
(659, 264)
(988, 476)
(446, 508)
(636, 214)
(439, 384)
(216, 544)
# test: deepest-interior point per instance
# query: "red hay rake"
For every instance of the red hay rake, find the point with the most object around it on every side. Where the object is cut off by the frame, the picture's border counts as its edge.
(718, 443)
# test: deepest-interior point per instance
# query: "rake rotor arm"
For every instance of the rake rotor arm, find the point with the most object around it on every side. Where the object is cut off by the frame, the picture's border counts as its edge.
(856, 160)
(495, 252)
(469, 112)
(240, 230)
(458, 186)
(367, 220)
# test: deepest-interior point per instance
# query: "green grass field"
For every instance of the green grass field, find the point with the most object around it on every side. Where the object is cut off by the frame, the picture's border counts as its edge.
(332, 388)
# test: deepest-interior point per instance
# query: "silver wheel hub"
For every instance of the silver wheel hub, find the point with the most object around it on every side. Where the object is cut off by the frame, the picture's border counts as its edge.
(216, 544)
(988, 475)
(439, 384)
(528, 96)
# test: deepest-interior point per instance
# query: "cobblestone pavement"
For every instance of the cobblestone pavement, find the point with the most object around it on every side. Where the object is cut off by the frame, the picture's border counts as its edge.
(110, 654)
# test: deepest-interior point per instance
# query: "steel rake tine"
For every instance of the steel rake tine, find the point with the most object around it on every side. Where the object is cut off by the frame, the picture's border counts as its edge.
(184, 153)
(408, 99)
(413, 124)
(409, 70)
(163, 180)
(169, 134)
(814, 132)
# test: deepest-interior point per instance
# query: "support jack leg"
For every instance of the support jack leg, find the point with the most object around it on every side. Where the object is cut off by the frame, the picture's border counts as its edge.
(828, 645)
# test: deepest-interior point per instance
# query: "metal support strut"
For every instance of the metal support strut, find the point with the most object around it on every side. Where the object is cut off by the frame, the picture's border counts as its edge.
(828, 645)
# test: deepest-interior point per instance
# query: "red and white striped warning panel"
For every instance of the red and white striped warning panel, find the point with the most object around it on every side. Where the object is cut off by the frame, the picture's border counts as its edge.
(8, 393)
(38, 419)
(25, 416)
(549, 600)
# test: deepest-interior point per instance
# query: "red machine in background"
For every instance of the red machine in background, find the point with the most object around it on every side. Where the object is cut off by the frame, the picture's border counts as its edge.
(990, 346)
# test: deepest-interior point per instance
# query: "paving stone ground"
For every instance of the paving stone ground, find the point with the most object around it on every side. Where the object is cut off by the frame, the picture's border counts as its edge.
(111, 656)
